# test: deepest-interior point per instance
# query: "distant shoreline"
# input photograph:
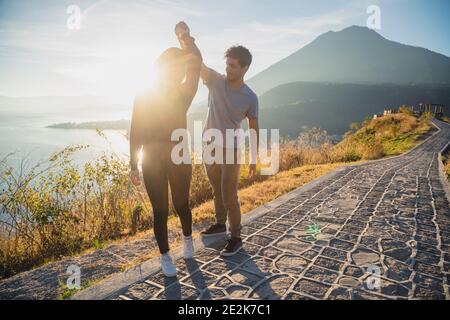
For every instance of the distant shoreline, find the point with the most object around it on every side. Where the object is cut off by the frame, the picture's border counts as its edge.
(122, 124)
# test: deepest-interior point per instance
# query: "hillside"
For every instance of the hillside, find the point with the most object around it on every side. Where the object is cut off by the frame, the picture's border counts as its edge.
(356, 55)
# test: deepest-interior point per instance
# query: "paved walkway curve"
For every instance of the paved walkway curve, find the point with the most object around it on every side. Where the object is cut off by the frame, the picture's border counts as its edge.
(388, 217)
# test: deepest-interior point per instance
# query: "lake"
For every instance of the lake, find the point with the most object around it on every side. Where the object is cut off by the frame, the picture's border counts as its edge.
(23, 129)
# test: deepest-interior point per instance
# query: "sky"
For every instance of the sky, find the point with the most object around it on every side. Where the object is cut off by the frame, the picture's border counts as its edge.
(113, 51)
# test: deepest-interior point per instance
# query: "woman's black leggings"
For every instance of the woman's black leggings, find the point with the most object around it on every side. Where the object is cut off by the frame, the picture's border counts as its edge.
(159, 171)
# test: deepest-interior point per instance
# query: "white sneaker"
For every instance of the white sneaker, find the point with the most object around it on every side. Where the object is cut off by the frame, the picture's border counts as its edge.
(188, 246)
(167, 266)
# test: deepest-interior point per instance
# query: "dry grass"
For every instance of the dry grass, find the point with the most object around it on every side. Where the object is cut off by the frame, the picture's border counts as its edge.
(445, 158)
(447, 169)
(446, 119)
(386, 136)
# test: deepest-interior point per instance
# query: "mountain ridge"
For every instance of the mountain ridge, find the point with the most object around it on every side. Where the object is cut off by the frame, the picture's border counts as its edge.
(353, 55)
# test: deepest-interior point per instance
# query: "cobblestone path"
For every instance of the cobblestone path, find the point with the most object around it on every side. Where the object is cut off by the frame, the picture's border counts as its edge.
(376, 231)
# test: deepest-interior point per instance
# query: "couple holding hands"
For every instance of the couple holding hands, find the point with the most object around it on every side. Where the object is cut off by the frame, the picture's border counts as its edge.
(160, 111)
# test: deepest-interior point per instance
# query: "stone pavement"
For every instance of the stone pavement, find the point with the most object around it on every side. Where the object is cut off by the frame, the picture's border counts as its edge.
(375, 231)
(322, 240)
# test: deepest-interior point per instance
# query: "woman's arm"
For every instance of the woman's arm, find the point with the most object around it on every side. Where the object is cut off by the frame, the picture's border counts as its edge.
(194, 62)
(136, 133)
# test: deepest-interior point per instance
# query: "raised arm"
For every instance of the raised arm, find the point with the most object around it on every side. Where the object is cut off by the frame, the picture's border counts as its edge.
(194, 61)
(187, 43)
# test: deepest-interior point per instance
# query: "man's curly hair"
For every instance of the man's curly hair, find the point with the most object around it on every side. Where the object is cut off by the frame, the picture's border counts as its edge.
(241, 54)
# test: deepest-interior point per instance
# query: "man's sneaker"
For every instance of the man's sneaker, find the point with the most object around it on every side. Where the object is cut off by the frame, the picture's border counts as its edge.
(167, 266)
(188, 247)
(215, 230)
(232, 247)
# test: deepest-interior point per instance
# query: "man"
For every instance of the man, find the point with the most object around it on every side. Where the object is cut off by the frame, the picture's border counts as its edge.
(156, 115)
(230, 101)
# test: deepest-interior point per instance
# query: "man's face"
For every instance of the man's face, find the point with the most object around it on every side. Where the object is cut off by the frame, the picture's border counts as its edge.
(234, 70)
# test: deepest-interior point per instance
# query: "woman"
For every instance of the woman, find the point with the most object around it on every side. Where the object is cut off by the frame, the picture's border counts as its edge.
(156, 114)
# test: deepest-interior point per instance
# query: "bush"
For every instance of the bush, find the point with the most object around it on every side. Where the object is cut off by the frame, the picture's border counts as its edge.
(57, 209)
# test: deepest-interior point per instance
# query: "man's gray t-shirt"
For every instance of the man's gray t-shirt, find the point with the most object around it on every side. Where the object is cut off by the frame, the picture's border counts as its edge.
(227, 107)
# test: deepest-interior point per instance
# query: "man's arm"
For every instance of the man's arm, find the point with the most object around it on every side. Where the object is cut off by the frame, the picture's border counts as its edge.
(209, 76)
(253, 124)
(204, 72)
